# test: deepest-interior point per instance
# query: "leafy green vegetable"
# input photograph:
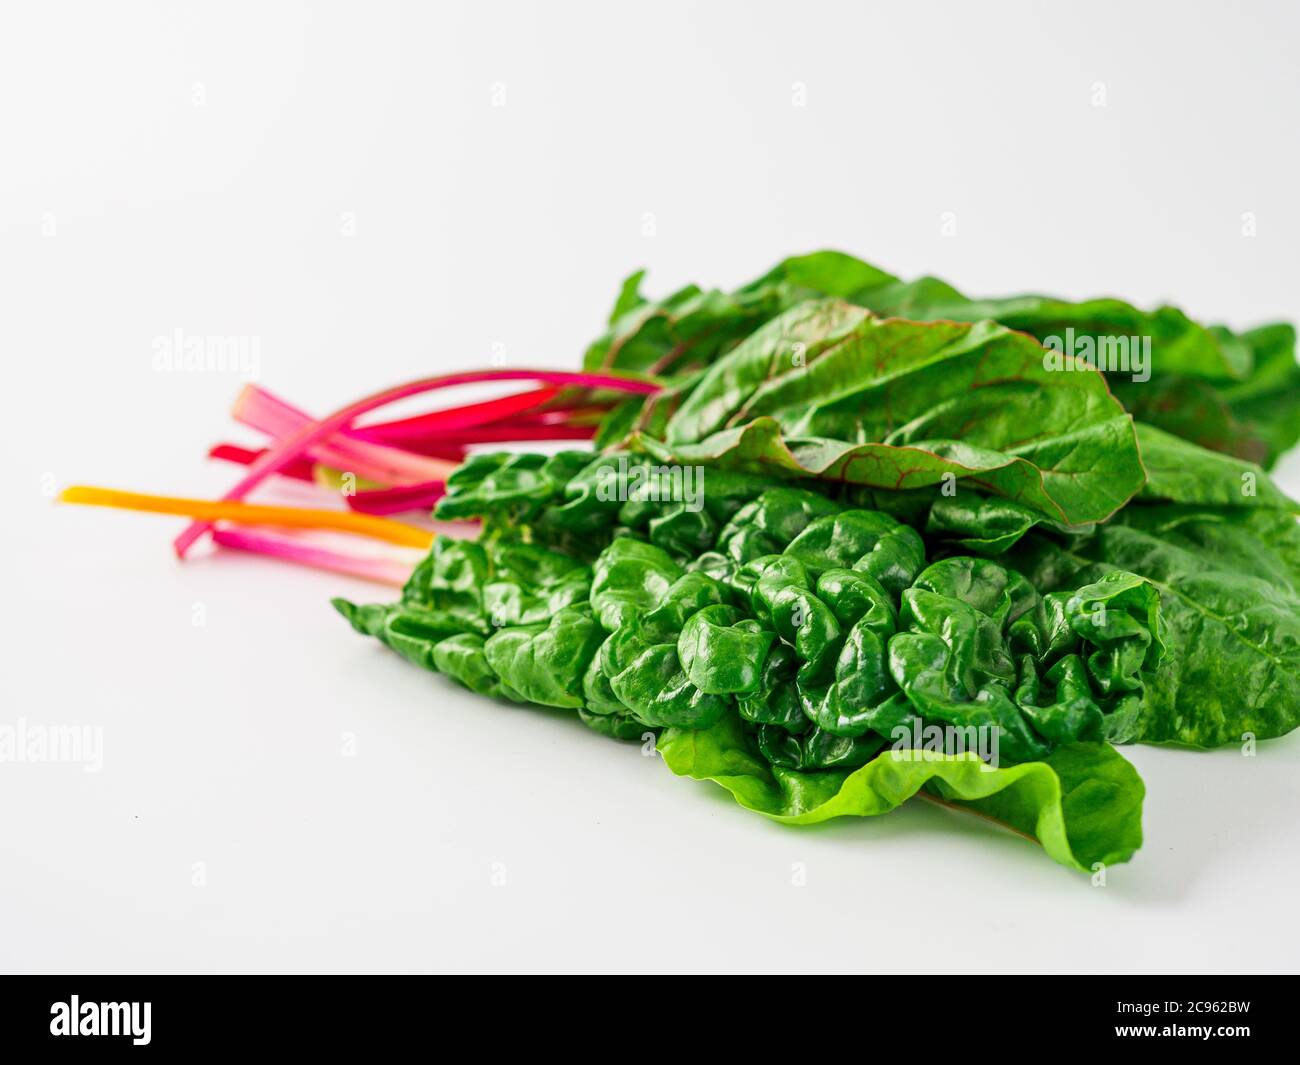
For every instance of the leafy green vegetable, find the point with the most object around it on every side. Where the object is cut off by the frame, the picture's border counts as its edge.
(1184, 346)
(873, 539)
(1239, 394)
(1267, 404)
(1193, 409)
(982, 648)
(829, 391)
(1228, 580)
(1235, 393)
(811, 628)
(692, 327)
(987, 526)
(845, 539)
(1181, 472)
(1083, 803)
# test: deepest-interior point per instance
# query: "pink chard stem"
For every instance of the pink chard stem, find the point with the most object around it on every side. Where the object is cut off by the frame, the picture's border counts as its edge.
(269, 414)
(382, 570)
(306, 437)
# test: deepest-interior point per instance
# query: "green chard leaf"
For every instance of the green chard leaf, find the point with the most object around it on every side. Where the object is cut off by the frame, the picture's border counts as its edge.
(1180, 472)
(1178, 344)
(1083, 803)
(545, 662)
(693, 327)
(1228, 580)
(1267, 404)
(829, 391)
(988, 526)
(1235, 393)
(1193, 409)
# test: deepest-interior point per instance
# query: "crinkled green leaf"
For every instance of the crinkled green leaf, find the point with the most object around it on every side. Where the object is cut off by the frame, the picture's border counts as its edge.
(644, 670)
(987, 525)
(503, 481)
(793, 631)
(545, 662)
(767, 524)
(1083, 803)
(463, 659)
(723, 652)
(977, 646)
(411, 631)
(866, 541)
(630, 578)
(1228, 582)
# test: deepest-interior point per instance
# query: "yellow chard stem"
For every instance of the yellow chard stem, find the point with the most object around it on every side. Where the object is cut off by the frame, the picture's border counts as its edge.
(377, 528)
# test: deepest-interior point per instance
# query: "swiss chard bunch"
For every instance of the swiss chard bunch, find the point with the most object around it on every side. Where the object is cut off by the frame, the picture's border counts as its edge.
(844, 539)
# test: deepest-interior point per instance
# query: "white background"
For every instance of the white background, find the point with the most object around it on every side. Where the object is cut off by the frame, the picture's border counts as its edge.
(185, 166)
